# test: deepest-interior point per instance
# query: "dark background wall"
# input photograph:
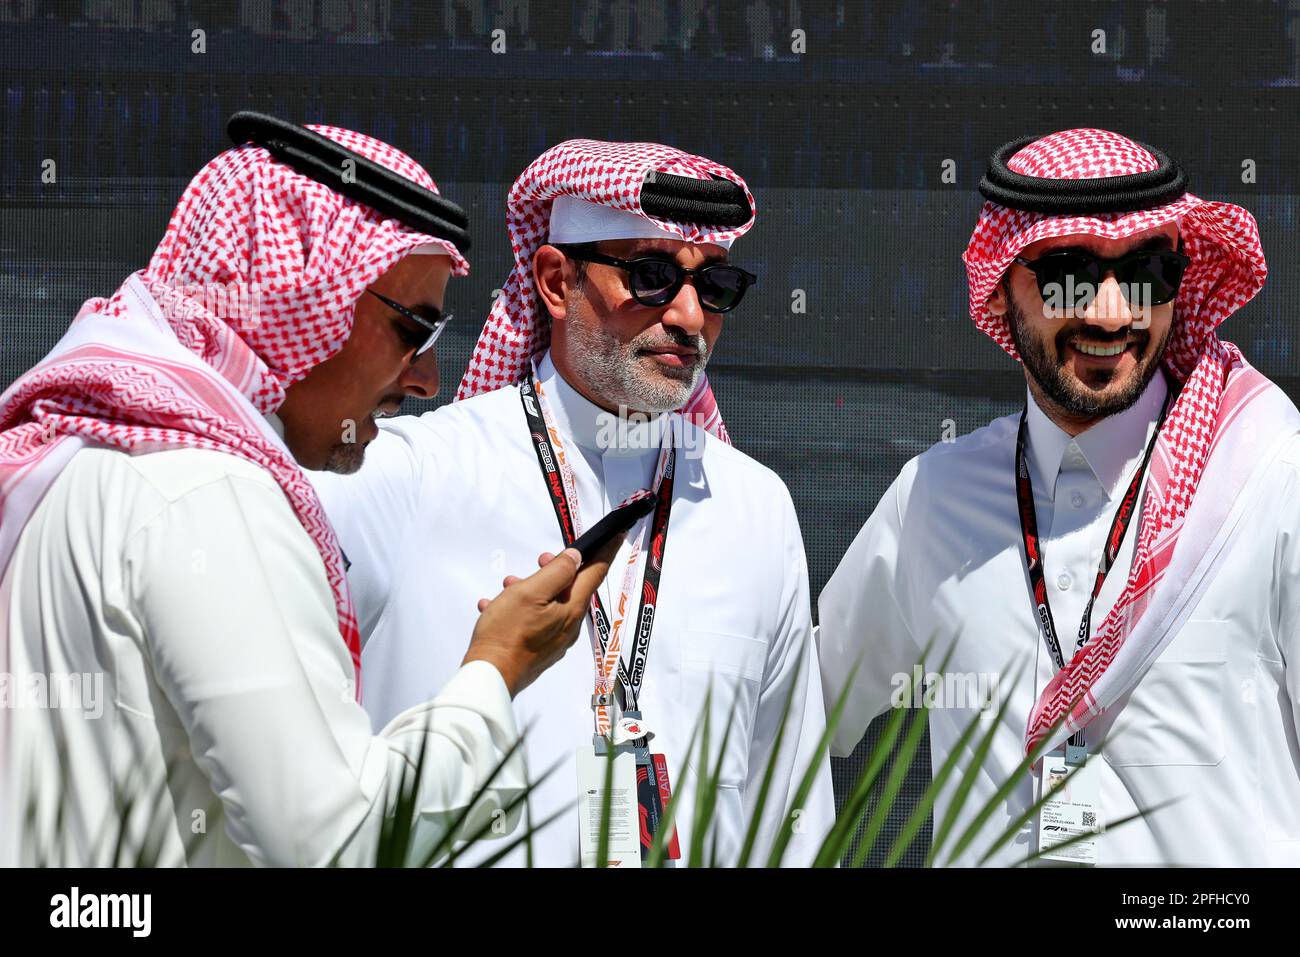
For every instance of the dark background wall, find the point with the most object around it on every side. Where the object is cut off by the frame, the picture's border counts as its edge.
(844, 144)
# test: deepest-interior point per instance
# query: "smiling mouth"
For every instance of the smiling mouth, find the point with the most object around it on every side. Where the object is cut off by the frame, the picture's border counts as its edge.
(1089, 349)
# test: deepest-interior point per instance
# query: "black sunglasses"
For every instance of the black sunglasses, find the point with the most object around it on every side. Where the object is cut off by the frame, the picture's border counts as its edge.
(655, 282)
(1071, 279)
(434, 326)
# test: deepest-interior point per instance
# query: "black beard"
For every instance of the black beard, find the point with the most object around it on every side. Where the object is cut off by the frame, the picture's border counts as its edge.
(1048, 375)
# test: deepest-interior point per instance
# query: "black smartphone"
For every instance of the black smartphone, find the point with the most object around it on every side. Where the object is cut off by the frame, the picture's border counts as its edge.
(620, 520)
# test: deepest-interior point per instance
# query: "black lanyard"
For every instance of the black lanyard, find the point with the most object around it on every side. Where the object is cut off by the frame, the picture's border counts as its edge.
(1033, 549)
(628, 684)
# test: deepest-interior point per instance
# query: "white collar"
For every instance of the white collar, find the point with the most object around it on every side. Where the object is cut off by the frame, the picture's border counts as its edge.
(592, 427)
(1112, 448)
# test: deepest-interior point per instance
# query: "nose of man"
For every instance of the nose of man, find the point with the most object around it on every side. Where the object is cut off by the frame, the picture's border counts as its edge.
(685, 312)
(420, 378)
(1110, 308)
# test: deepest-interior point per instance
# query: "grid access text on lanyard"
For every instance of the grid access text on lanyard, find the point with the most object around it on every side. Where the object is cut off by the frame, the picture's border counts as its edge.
(1035, 562)
(606, 642)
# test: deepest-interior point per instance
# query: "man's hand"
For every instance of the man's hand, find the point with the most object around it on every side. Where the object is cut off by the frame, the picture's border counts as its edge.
(531, 624)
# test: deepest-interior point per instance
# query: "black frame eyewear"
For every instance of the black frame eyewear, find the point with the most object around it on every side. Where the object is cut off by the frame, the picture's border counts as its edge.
(1159, 270)
(435, 326)
(655, 281)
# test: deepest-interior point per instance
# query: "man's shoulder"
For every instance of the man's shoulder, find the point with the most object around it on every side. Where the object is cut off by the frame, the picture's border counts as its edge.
(989, 440)
(486, 406)
(128, 491)
(958, 461)
(171, 474)
(731, 464)
(1288, 455)
(467, 419)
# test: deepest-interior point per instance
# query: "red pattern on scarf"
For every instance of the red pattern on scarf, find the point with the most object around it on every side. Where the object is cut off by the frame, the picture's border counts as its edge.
(1227, 270)
(302, 253)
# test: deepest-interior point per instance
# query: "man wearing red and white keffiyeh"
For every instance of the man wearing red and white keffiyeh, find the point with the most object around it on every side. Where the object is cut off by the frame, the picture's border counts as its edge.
(593, 183)
(177, 636)
(1150, 582)
(588, 372)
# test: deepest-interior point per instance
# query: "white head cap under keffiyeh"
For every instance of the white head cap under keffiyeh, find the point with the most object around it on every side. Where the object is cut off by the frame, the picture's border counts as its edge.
(1227, 269)
(304, 254)
(606, 174)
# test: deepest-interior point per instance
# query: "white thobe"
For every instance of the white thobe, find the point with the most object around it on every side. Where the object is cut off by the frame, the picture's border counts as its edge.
(449, 502)
(1212, 724)
(181, 615)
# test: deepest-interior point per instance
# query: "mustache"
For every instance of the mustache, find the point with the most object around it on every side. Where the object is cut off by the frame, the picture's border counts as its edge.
(394, 400)
(680, 340)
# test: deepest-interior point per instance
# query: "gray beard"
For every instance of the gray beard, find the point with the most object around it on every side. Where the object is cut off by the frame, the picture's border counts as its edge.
(345, 458)
(612, 369)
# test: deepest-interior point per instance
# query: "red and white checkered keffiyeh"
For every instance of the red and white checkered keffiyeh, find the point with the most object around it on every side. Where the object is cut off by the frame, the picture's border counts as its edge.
(610, 174)
(170, 362)
(1225, 407)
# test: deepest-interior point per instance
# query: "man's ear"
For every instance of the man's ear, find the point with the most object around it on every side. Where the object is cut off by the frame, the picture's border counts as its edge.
(548, 276)
(998, 301)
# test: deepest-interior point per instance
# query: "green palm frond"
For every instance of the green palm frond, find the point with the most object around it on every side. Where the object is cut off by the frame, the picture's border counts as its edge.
(135, 830)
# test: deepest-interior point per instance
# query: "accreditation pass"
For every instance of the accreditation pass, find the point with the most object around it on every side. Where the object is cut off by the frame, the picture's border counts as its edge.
(1074, 809)
(624, 849)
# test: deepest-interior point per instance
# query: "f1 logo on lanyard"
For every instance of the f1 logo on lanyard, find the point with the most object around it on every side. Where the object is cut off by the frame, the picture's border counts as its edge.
(617, 771)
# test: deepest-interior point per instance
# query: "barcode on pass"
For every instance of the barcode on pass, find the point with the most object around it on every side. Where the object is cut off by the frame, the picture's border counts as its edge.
(1089, 818)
